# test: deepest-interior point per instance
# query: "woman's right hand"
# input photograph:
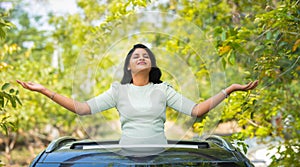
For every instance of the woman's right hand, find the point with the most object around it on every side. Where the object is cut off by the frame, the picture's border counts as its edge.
(32, 86)
(68, 103)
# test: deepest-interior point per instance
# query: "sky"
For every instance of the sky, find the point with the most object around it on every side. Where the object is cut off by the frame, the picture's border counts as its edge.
(58, 7)
(43, 7)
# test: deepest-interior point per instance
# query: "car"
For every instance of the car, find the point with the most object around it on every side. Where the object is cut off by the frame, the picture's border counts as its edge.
(210, 150)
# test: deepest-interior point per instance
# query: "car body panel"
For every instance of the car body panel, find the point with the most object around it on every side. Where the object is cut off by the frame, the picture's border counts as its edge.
(110, 153)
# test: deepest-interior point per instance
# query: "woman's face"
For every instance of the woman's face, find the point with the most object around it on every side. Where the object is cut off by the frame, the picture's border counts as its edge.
(139, 61)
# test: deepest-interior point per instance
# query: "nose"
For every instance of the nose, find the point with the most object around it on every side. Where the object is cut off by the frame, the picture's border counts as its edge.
(141, 58)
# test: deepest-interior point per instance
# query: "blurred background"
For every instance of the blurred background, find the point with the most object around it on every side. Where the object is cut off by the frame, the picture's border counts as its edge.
(77, 48)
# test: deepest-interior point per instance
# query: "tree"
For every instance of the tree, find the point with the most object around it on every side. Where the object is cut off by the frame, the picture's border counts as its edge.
(268, 50)
(210, 41)
(11, 97)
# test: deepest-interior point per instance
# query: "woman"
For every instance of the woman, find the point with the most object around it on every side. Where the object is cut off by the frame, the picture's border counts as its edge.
(141, 99)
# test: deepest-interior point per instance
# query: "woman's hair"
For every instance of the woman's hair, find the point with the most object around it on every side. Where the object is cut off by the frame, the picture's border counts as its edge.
(155, 73)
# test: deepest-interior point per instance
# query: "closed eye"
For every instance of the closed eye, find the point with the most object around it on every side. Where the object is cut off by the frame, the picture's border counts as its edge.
(135, 56)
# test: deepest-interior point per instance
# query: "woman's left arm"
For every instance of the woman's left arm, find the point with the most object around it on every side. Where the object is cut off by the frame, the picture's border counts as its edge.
(202, 108)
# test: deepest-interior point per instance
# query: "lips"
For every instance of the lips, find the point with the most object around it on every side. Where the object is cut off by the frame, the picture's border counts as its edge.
(141, 63)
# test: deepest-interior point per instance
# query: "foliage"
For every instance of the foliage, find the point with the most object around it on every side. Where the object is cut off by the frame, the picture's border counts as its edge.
(267, 50)
(272, 56)
(4, 96)
(7, 97)
(210, 41)
(4, 25)
(7, 121)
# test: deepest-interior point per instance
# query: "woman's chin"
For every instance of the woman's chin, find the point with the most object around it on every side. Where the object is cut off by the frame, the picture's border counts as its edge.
(142, 70)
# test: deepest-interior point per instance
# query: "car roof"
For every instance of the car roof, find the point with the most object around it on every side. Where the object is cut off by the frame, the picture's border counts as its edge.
(70, 151)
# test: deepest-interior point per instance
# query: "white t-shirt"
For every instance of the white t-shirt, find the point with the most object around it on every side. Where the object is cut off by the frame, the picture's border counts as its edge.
(142, 110)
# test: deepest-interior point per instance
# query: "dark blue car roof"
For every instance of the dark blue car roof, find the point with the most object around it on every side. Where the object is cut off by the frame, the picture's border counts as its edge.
(71, 152)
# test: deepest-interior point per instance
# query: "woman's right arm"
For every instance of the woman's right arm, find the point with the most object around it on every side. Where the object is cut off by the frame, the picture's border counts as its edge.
(80, 108)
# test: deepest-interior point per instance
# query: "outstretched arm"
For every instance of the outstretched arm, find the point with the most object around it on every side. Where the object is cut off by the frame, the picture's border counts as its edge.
(202, 108)
(80, 108)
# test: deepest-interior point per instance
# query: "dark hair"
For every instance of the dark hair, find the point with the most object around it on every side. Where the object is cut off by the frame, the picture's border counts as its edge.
(155, 73)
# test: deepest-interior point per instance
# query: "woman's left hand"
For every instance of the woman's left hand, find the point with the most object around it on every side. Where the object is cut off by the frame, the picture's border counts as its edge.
(239, 87)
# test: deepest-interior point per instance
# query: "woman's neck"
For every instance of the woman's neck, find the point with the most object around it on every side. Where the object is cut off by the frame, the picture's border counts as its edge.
(140, 79)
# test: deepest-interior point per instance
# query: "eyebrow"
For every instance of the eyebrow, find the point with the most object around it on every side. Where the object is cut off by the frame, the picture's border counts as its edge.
(142, 54)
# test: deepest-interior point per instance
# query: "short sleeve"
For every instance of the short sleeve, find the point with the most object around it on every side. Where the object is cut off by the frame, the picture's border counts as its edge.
(179, 102)
(106, 100)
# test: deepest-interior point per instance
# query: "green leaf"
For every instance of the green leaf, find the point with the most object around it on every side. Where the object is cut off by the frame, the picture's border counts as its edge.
(18, 100)
(258, 48)
(5, 86)
(2, 101)
(4, 127)
(269, 35)
(231, 57)
(11, 91)
(13, 102)
(2, 34)
(224, 62)
(223, 35)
